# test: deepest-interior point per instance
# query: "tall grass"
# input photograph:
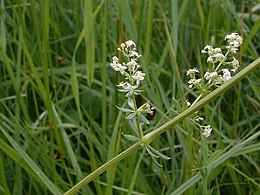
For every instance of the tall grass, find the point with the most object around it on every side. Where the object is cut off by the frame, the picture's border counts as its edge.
(58, 116)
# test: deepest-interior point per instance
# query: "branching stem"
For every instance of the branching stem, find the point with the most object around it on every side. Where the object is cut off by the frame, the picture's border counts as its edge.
(148, 138)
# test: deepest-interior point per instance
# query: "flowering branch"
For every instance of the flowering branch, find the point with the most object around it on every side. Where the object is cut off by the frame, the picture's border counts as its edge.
(131, 84)
(214, 76)
(133, 77)
(148, 138)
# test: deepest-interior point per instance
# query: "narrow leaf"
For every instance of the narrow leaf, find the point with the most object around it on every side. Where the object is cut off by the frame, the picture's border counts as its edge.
(130, 102)
(130, 137)
(159, 153)
(124, 109)
(143, 119)
(131, 116)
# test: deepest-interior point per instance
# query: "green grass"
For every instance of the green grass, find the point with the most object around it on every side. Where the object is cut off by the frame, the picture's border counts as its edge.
(58, 116)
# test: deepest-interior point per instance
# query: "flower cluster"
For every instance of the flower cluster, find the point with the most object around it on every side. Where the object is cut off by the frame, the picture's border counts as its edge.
(219, 72)
(215, 76)
(206, 129)
(215, 54)
(234, 41)
(136, 116)
(130, 69)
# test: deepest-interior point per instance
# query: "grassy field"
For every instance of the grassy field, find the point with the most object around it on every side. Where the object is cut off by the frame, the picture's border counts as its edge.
(58, 97)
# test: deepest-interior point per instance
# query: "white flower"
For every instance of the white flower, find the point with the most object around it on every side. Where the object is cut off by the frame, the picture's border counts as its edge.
(138, 76)
(234, 64)
(130, 43)
(215, 54)
(131, 65)
(113, 64)
(127, 87)
(210, 50)
(215, 58)
(121, 84)
(194, 82)
(210, 75)
(213, 74)
(134, 54)
(122, 45)
(213, 78)
(226, 75)
(130, 69)
(207, 131)
(206, 49)
(121, 69)
(115, 59)
(118, 67)
(234, 41)
(191, 72)
(207, 75)
(232, 49)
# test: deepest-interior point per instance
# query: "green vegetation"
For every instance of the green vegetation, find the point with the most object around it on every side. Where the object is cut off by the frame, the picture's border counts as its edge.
(58, 117)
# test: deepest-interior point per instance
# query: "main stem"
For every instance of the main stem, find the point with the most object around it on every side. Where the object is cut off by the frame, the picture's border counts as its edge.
(148, 138)
(103, 168)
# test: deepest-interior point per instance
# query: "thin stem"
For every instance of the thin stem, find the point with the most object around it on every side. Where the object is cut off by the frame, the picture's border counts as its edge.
(222, 61)
(103, 168)
(140, 132)
(197, 99)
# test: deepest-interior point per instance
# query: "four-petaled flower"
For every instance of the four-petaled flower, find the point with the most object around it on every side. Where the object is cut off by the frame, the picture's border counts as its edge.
(138, 76)
(131, 65)
(235, 64)
(191, 72)
(130, 43)
(207, 131)
(226, 75)
(215, 54)
(128, 88)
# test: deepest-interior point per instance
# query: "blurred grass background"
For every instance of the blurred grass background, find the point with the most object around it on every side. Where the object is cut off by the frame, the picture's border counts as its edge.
(58, 120)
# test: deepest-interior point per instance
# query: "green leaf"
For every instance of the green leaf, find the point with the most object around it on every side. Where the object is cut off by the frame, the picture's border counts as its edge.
(130, 102)
(143, 119)
(130, 137)
(156, 152)
(130, 116)
(176, 104)
(150, 152)
(133, 126)
(124, 109)
(153, 156)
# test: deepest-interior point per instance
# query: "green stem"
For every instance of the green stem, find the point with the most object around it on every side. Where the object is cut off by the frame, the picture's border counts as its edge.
(222, 61)
(154, 134)
(103, 168)
(197, 99)
(140, 132)
(204, 160)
